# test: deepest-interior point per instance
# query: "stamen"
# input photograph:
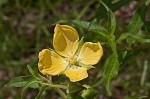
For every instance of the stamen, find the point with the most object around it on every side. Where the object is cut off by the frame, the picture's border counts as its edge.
(72, 59)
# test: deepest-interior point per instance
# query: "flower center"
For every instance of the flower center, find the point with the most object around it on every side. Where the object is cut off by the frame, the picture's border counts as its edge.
(72, 60)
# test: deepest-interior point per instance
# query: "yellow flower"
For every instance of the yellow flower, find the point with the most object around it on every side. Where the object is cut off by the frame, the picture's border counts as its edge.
(65, 57)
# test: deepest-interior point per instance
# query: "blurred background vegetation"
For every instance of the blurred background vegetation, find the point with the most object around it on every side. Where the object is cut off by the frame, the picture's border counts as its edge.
(26, 27)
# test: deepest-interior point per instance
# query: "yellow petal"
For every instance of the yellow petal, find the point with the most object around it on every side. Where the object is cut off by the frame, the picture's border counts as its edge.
(50, 63)
(90, 53)
(65, 40)
(76, 73)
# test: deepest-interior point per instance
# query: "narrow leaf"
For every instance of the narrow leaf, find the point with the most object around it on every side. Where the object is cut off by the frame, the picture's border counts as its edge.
(74, 87)
(30, 70)
(144, 74)
(110, 72)
(142, 38)
(111, 20)
(19, 81)
(34, 74)
(137, 21)
(112, 43)
(90, 26)
(111, 23)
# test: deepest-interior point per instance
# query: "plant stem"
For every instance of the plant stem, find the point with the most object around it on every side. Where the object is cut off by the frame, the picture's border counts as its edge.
(62, 94)
(55, 87)
(61, 86)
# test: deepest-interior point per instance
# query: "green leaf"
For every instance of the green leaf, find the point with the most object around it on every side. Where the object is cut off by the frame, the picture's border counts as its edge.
(74, 87)
(112, 43)
(111, 23)
(123, 37)
(30, 70)
(77, 91)
(137, 21)
(73, 91)
(26, 86)
(89, 92)
(42, 89)
(142, 38)
(90, 26)
(87, 25)
(144, 74)
(121, 56)
(111, 20)
(110, 71)
(20, 81)
(89, 66)
(34, 74)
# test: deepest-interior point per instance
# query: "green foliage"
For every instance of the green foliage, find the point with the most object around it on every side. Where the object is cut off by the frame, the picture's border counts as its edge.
(137, 21)
(89, 92)
(92, 27)
(110, 71)
(78, 91)
(26, 86)
(142, 38)
(42, 89)
(144, 74)
(74, 87)
(27, 27)
(21, 81)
